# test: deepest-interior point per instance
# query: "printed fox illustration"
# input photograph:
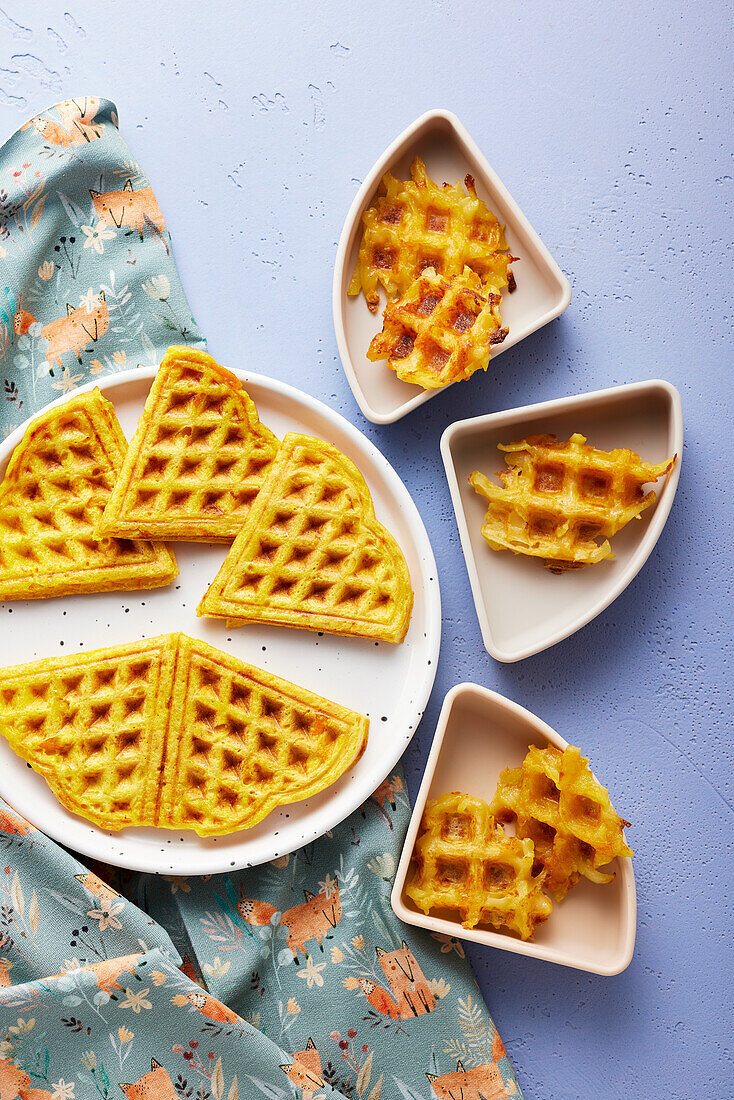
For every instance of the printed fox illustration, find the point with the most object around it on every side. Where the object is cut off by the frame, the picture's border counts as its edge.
(379, 998)
(305, 1070)
(15, 1082)
(386, 792)
(77, 123)
(407, 981)
(257, 913)
(312, 919)
(96, 887)
(128, 207)
(156, 1085)
(5, 973)
(109, 970)
(76, 331)
(212, 1008)
(479, 1083)
(14, 826)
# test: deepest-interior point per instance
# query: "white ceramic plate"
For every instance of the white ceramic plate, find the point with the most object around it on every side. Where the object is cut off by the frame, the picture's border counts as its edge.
(479, 733)
(522, 607)
(389, 683)
(543, 292)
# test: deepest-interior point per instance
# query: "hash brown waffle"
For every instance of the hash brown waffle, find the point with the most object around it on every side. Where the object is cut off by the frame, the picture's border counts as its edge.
(56, 486)
(312, 554)
(465, 862)
(198, 457)
(415, 224)
(440, 331)
(556, 802)
(557, 499)
(173, 733)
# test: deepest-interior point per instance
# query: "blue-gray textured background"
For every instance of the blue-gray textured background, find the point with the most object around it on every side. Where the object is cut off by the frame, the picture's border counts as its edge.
(611, 126)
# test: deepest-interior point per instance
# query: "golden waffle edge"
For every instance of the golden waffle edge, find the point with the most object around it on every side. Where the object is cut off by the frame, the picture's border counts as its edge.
(56, 486)
(197, 459)
(312, 554)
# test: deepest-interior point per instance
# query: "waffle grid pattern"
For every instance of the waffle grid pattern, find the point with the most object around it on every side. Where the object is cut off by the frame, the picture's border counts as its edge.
(173, 733)
(56, 487)
(557, 803)
(440, 331)
(250, 742)
(465, 862)
(198, 458)
(557, 499)
(88, 724)
(416, 224)
(312, 554)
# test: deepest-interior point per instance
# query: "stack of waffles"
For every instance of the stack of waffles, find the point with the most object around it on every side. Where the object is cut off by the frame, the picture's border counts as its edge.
(441, 257)
(565, 828)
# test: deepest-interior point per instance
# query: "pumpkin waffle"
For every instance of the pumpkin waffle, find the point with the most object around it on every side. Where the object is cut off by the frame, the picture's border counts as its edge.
(248, 742)
(56, 486)
(173, 733)
(465, 862)
(312, 554)
(415, 224)
(440, 331)
(557, 803)
(557, 499)
(198, 457)
(94, 725)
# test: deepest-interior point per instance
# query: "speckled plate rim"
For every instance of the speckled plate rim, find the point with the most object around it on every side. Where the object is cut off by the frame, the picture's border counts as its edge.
(504, 942)
(410, 136)
(353, 789)
(646, 546)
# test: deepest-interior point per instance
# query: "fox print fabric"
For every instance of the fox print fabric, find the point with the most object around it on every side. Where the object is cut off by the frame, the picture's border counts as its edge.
(88, 285)
(294, 979)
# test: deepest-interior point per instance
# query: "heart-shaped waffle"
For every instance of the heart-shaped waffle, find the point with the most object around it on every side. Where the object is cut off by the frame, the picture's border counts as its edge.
(198, 457)
(312, 554)
(173, 733)
(56, 486)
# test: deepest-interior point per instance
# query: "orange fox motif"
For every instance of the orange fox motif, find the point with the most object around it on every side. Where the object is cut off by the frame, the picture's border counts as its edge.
(305, 1070)
(187, 968)
(96, 887)
(156, 1085)
(12, 1079)
(109, 970)
(76, 331)
(14, 826)
(22, 319)
(312, 919)
(4, 973)
(257, 913)
(498, 1047)
(128, 207)
(379, 998)
(35, 1094)
(212, 1008)
(479, 1083)
(386, 792)
(77, 123)
(407, 981)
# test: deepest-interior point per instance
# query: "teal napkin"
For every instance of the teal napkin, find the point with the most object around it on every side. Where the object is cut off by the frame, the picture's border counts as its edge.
(291, 979)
